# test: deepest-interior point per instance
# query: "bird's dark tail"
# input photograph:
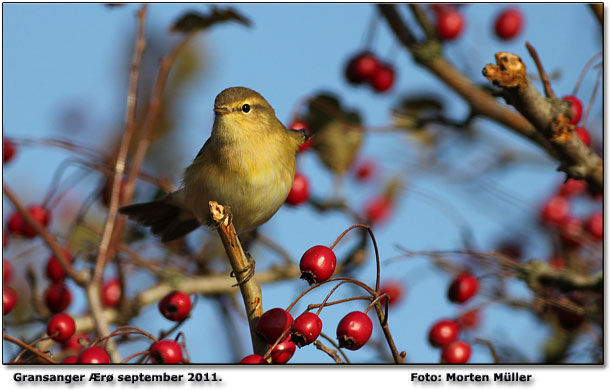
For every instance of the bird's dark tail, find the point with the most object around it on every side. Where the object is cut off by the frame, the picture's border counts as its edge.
(163, 216)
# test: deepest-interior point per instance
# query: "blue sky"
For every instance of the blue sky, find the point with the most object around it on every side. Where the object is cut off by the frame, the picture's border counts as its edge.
(71, 55)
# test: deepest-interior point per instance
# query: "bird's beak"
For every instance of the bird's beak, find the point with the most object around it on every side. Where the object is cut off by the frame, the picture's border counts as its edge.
(221, 110)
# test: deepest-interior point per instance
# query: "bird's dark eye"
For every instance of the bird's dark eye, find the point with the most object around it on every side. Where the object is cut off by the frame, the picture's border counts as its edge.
(246, 108)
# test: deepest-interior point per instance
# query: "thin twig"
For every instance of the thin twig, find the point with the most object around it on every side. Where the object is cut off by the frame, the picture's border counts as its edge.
(592, 99)
(326, 337)
(330, 352)
(105, 251)
(541, 71)
(584, 71)
(35, 351)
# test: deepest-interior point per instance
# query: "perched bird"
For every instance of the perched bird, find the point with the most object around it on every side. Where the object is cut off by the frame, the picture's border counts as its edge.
(248, 164)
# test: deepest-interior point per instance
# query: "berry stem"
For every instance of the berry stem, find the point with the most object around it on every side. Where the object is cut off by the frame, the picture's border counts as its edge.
(132, 356)
(30, 348)
(332, 303)
(329, 295)
(354, 281)
(583, 72)
(592, 99)
(371, 31)
(369, 229)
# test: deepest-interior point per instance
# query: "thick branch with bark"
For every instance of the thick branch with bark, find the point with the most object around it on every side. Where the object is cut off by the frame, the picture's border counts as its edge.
(548, 116)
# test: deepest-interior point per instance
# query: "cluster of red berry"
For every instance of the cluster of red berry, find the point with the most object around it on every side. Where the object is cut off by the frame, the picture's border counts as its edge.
(576, 106)
(445, 332)
(365, 67)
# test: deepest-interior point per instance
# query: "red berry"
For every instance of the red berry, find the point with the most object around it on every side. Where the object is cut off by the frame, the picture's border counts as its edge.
(70, 360)
(449, 25)
(444, 332)
(15, 223)
(317, 264)
(175, 306)
(378, 209)
(555, 209)
(463, 287)
(584, 135)
(166, 352)
(457, 352)
(301, 125)
(509, 23)
(4, 239)
(9, 299)
(41, 215)
(300, 190)
(361, 68)
(55, 271)
(57, 297)
(283, 351)
(571, 231)
(354, 330)
(557, 262)
(111, 293)
(8, 150)
(93, 355)
(365, 170)
(273, 323)
(594, 225)
(253, 359)
(305, 329)
(74, 342)
(61, 327)
(470, 319)
(572, 187)
(383, 78)
(7, 270)
(395, 290)
(576, 105)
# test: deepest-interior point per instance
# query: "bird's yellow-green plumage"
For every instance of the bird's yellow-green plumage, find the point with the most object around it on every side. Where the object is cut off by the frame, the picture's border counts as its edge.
(248, 164)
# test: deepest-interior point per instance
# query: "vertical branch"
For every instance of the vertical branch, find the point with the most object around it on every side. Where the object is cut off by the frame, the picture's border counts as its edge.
(93, 289)
(249, 289)
(543, 76)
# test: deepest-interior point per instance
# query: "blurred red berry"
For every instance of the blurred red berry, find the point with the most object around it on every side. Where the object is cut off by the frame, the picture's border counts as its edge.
(57, 297)
(8, 150)
(443, 332)
(594, 225)
(93, 355)
(317, 264)
(253, 359)
(7, 270)
(449, 24)
(166, 352)
(555, 209)
(15, 223)
(576, 105)
(301, 125)
(273, 323)
(175, 306)
(383, 78)
(74, 342)
(395, 290)
(111, 293)
(283, 351)
(300, 190)
(4, 238)
(584, 135)
(70, 360)
(54, 269)
(557, 262)
(509, 23)
(61, 327)
(305, 329)
(572, 187)
(365, 170)
(462, 288)
(41, 215)
(457, 352)
(361, 68)
(9, 299)
(571, 232)
(378, 209)
(470, 319)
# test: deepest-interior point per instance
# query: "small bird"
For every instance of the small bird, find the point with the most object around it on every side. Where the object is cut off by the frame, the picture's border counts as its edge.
(248, 164)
